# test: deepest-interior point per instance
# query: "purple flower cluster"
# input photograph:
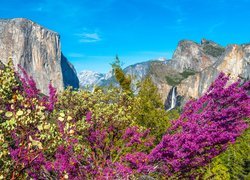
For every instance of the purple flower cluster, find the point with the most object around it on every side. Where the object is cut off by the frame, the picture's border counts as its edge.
(139, 161)
(205, 128)
(28, 84)
(133, 136)
(26, 158)
(52, 98)
(31, 91)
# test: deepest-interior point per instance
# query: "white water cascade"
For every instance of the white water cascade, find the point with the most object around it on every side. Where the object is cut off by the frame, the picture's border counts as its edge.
(173, 99)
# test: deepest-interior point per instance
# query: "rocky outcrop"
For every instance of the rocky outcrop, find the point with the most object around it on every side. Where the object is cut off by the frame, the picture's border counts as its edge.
(233, 60)
(191, 55)
(193, 68)
(38, 51)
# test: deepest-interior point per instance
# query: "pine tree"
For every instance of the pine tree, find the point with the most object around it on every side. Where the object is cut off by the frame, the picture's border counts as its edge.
(217, 171)
(235, 159)
(149, 109)
(123, 80)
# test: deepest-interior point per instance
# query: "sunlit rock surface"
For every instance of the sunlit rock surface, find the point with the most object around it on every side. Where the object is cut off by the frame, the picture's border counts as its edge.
(193, 67)
(38, 51)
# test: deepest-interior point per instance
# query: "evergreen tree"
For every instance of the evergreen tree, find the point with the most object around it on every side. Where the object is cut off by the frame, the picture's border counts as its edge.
(149, 110)
(123, 80)
(217, 170)
(235, 159)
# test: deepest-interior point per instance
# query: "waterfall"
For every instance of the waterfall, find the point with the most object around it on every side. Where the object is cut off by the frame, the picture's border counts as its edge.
(173, 99)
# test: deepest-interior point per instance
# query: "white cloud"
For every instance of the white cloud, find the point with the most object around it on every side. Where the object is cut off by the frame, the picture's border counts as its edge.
(87, 37)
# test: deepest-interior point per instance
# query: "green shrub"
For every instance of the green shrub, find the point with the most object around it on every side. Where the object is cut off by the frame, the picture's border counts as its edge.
(214, 51)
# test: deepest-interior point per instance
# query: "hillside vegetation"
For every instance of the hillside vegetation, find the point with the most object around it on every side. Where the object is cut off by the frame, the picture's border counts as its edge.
(113, 134)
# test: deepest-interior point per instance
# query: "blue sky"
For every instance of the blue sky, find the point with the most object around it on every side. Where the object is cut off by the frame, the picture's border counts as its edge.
(94, 31)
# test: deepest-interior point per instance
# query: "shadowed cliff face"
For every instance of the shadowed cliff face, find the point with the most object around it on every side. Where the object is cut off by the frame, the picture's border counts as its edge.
(38, 51)
(69, 73)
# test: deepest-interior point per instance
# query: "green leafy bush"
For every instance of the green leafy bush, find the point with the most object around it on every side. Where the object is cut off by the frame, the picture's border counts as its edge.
(105, 134)
(149, 110)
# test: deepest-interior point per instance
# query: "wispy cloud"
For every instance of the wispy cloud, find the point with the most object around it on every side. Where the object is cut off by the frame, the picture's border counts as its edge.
(88, 37)
(214, 27)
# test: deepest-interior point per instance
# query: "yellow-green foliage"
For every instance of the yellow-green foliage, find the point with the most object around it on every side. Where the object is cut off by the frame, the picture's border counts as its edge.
(7, 81)
(22, 116)
(123, 80)
(149, 110)
(104, 105)
(39, 130)
(233, 163)
(217, 171)
(111, 107)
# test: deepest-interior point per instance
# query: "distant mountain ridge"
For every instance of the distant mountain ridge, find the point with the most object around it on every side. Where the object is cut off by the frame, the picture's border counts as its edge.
(38, 51)
(193, 67)
(89, 79)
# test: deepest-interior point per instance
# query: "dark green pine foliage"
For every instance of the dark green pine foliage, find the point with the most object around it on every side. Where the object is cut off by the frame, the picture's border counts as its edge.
(234, 163)
(123, 80)
(149, 109)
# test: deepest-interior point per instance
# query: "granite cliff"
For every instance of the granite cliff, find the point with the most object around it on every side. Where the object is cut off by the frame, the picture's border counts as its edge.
(38, 51)
(193, 67)
(192, 82)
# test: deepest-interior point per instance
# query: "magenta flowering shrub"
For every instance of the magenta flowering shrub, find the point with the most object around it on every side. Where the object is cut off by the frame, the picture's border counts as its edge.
(50, 101)
(28, 84)
(23, 112)
(83, 135)
(74, 136)
(205, 128)
(31, 91)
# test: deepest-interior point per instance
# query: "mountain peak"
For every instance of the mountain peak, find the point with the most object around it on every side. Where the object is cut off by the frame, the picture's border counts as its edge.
(206, 41)
(25, 24)
(90, 78)
(38, 51)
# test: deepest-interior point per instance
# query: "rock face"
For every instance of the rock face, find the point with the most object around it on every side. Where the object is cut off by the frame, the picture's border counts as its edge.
(193, 68)
(191, 55)
(234, 61)
(38, 51)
